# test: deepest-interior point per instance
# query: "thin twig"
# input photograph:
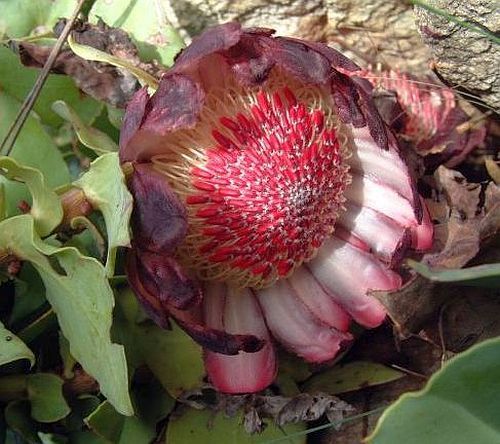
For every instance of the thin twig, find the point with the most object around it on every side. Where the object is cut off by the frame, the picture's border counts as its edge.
(409, 372)
(15, 128)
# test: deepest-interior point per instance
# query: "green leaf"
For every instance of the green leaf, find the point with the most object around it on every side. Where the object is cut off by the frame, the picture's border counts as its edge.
(33, 148)
(203, 427)
(41, 324)
(487, 275)
(115, 116)
(67, 359)
(46, 396)
(81, 407)
(20, 17)
(104, 186)
(17, 80)
(3, 210)
(29, 295)
(136, 431)
(12, 348)
(96, 55)
(147, 23)
(80, 295)
(92, 138)
(459, 404)
(152, 402)
(351, 376)
(106, 422)
(50, 438)
(46, 208)
(86, 438)
(90, 242)
(174, 358)
(18, 418)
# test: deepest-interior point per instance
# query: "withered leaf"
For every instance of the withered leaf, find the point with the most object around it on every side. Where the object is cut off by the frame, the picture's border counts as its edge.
(468, 218)
(282, 410)
(99, 80)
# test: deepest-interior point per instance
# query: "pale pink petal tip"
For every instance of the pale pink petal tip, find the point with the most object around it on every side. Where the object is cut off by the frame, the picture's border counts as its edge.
(237, 312)
(296, 326)
(243, 373)
(349, 274)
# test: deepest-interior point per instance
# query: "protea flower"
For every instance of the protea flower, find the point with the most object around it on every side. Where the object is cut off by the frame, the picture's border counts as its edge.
(270, 198)
(432, 119)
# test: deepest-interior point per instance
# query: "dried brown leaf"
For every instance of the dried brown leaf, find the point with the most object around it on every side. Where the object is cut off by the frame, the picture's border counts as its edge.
(99, 80)
(282, 410)
(468, 217)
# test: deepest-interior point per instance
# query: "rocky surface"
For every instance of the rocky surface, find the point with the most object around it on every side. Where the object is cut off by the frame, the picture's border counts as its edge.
(452, 43)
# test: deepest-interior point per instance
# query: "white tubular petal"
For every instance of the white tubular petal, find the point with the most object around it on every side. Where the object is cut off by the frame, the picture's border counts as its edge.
(365, 192)
(349, 274)
(320, 303)
(296, 327)
(213, 306)
(386, 238)
(382, 166)
(245, 372)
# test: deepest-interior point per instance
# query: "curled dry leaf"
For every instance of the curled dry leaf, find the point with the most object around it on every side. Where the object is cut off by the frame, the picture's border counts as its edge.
(472, 218)
(99, 80)
(282, 410)
(468, 218)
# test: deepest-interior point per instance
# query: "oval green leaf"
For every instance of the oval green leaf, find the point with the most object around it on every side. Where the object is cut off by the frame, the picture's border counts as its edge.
(106, 422)
(487, 275)
(351, 376)
(46, 396)
(205, 427)
(17, 80)
(459, 404)
(173, 357)
(18, 418)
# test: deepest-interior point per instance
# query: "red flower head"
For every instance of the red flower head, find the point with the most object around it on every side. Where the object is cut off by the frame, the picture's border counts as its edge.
(270, 198)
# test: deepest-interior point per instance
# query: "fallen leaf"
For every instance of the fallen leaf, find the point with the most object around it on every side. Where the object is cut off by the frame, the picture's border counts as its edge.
(468, 217)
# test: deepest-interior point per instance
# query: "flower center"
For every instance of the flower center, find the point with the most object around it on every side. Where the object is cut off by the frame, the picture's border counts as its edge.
(263, 179)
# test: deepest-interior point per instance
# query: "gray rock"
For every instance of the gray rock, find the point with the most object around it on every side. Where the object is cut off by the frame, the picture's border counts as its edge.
(464, 57)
